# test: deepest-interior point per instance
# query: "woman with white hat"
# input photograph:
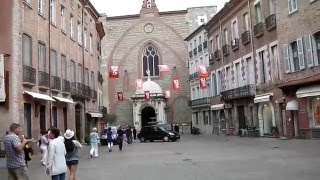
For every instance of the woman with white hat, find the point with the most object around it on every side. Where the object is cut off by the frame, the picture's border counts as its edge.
(72, 159)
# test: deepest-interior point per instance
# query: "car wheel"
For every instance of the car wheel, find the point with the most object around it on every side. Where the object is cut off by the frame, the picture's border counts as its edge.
(142, 139)
(174, 140)
(151, 140)
(165, 138)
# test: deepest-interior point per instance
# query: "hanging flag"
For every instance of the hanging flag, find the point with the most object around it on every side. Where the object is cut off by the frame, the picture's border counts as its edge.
(138, 84)
(147, 95)
(176, 84)
(114, 72)
(163, 68)
(167, 94)
(203, 72)
(2, 85)
(203, 83)
(120, 96)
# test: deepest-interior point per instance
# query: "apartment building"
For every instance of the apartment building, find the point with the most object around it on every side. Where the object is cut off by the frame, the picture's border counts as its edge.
(199, 82)
(53, 66)
(245, 67)
(299, 42)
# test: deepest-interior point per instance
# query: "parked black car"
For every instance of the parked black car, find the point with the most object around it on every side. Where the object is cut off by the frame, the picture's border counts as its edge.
(157, 132)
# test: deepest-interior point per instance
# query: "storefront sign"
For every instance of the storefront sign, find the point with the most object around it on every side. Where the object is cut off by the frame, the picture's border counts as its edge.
(2, 85)
(241, 92)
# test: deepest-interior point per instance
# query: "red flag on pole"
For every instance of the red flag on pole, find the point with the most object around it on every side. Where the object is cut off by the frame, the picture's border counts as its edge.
(203, 83)
(163, 68)
(138, 84)
(147, 95)
(203, 72)
(114, 72)
(176, 84)
(167, 94)
(120, 96)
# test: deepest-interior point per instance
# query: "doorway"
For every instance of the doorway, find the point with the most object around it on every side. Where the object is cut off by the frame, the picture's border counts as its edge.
(267, 119)
(65, 117)
(78, 121)
(242, 117)
(148, 116)
(42, 118)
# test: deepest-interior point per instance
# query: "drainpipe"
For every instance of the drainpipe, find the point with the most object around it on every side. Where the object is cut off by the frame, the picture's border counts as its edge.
(83, 68)
(49, 42)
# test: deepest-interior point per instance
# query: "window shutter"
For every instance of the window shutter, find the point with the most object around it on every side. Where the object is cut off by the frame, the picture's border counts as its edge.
(290, 6)
(300, 53)
(309, 50)
(286, 58)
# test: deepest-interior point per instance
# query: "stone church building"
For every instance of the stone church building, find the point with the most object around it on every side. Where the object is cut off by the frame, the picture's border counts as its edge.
(138, 43)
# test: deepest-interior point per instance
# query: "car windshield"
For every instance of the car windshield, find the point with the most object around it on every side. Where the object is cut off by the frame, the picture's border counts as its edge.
(166, 127)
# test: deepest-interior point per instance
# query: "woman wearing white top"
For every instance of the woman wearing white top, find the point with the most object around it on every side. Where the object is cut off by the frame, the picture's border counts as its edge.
(43, 143)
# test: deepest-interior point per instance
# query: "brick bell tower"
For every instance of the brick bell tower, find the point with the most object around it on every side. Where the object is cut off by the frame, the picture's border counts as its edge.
(149, 9)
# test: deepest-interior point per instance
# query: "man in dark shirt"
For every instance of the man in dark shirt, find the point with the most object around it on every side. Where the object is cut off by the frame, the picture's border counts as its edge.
(120, 137)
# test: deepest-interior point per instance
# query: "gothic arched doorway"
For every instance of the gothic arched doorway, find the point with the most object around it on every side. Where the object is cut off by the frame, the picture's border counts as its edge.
(148, 115)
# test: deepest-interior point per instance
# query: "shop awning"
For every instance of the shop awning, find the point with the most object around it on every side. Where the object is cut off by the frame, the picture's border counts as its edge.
(262, 98)
(292, 106)
(308, 91)
(63, 99)
(217, 106)
(39, 96)
(95, 114)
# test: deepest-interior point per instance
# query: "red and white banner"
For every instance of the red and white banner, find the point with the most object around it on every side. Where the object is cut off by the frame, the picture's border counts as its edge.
(163, 68)
(114, 72)
(176, 84)
(167, 94)
(138, 84)
(147, 95)
(120, 96)
(203, 83)
(203, 72)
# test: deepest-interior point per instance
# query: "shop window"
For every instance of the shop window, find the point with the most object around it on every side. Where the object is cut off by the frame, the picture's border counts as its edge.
(316, 111)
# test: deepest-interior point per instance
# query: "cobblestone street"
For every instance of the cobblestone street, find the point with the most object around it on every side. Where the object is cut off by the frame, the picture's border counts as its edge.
(199, 158)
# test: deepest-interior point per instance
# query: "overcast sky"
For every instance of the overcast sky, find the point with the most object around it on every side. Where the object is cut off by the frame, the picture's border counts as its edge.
(126, 7)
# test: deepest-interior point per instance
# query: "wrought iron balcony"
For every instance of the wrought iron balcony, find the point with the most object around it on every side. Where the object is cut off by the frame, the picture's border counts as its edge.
(66, 86)
(237, 93)
(235, 44)
(55, 83)
(194, 76)
(245, 37)
(29, 75)
(43, 79)
(271, 22)
(190, 54)
(226, 49)
(100, 78)
(87, 92)
(78, 89)
(217, 55)
(93, 94)
(205, 44)
(258, 30)
(195, 51)
(200, 48)
(73, 88)
(203, 102)
(211, 60)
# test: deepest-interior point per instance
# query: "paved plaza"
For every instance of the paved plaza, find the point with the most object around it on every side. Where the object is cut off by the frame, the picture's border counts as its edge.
(200, 157)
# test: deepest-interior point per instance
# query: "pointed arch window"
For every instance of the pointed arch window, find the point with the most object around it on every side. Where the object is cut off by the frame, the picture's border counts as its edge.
(150, 60)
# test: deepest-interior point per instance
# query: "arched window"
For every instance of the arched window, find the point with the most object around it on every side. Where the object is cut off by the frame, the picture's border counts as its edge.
(150, 60)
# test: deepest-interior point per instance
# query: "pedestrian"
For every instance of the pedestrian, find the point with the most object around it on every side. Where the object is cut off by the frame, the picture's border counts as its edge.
(43, 144)
(134, 132)
(72, 158)
(120, 137)
(94, 140)
(109, 139)
(129, 135)
(28, 151)
(13, 145)
(56, 164)
(176, 128)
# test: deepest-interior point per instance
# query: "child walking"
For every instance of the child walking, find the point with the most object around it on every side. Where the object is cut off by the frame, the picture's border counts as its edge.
(27, 152)
(94, 140)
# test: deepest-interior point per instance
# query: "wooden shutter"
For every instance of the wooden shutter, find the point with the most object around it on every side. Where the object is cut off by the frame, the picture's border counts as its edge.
(309, 50)
(286, 58)
(300, 53)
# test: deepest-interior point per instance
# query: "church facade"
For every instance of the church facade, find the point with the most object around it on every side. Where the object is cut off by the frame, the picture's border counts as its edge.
(137, 44)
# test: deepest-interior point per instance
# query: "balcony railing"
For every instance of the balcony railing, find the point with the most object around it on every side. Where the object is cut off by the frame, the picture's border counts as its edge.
(43, 79)
(194, 76)
(66, 86)
(78, 89)
(203, 102)
(93, 94)
(29, 74)
(211, 60)
(200, 48)
(100, 78)
(55, 83)
(235, 44)
(271, 22)
(245, 37)
(217, 55)
(190, 54)
(225, 49)
(87, 92)
(258, 30)
(205, 44)
(195, 51)
(237, 93)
